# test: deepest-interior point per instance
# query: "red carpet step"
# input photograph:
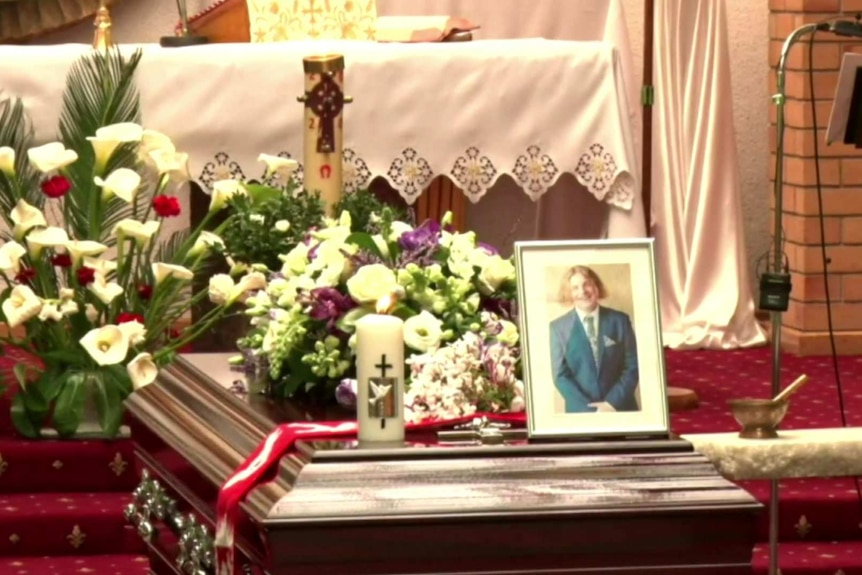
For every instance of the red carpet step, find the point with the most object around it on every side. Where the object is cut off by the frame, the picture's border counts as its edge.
(34, 466)
(61, 524)
(100, 565)
(815, 558)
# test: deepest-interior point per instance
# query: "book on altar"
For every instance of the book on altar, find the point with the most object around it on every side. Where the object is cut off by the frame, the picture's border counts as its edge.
(420, 28)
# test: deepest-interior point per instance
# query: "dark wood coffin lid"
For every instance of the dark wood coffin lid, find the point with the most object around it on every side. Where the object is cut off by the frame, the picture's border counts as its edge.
(191, 407)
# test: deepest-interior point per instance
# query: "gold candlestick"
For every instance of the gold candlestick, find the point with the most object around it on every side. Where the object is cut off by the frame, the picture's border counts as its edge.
(102, 39)
(323, 142)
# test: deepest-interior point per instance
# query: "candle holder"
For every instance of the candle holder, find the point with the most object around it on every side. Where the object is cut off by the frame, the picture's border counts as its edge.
(102, 39)
(183, 37)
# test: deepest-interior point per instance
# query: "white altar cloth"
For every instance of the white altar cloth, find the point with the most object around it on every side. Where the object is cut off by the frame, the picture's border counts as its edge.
(532, 109)
(831, 452)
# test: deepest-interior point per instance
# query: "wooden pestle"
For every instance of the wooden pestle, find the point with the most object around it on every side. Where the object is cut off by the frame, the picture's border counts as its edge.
(791, 389)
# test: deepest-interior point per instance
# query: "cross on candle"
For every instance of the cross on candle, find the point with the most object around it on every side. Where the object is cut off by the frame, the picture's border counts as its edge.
(383, 366)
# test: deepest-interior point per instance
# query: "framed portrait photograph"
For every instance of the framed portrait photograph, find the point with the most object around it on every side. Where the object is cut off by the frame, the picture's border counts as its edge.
(591, 343)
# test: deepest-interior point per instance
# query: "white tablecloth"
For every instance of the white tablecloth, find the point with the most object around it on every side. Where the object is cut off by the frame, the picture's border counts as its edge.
(532, 109)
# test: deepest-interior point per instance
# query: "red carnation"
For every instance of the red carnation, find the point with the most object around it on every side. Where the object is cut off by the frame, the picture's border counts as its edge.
(62, 260)
(56, 186)
(145, 291)
(166, 206)
(127, 317)
(25, 276)
(86, 275)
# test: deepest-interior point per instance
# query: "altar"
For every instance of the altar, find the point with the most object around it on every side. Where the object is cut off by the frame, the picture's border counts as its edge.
(419, 111)
(436, 506)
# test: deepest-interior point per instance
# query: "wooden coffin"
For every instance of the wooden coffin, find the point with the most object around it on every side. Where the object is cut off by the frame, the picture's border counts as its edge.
(649, 507)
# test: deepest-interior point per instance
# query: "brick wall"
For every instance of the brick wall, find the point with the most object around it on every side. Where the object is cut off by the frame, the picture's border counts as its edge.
(805, 330)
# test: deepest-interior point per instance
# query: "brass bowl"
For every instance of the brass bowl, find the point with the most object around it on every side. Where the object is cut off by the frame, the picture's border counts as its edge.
(759, 418)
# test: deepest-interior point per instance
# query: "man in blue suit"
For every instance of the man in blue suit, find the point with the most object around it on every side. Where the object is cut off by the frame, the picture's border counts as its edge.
(593, 349)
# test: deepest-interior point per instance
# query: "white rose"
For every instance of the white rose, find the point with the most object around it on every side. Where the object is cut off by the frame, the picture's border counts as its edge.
(282, 226)
(371, 283)
(51, 157)
(495, 271)
(423, 332)
(142, 370)
(220, 288)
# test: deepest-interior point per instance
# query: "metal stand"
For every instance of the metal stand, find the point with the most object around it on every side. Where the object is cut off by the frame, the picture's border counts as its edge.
(778, 263)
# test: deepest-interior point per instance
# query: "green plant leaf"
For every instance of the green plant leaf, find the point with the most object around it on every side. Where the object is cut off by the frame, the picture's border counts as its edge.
(260, 193)
(24, 420)
(66, 357)
(69, 407)
(365, 241)
(109, 404)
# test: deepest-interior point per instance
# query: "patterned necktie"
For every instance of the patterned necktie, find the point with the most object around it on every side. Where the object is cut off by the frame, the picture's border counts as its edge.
(591, 333)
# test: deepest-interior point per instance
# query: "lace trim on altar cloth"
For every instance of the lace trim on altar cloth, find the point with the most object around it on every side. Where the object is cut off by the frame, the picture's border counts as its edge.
(475, 173)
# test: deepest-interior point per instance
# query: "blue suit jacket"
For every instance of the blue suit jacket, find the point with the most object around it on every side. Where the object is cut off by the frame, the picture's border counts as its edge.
(575, 372)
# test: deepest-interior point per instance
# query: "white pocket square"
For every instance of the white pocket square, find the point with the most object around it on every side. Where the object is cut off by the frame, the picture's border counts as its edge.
(609, 342)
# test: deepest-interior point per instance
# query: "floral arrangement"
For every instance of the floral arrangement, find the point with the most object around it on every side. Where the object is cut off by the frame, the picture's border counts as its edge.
(93, 292)
(456, 295)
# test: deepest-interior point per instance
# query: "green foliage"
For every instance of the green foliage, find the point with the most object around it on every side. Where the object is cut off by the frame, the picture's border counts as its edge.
(100, 91)
(250, 233)
(16, 132)
(366, 210)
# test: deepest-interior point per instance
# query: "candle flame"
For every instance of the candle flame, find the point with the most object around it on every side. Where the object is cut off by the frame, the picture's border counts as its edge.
(384, 304)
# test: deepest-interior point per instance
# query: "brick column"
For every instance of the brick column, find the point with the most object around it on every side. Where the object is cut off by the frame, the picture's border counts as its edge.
(805, 330)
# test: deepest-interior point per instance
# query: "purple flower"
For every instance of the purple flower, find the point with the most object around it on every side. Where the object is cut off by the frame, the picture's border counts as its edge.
(426, 235)
(504, 308)
(488, 249)
(328, 304)
(345, 393)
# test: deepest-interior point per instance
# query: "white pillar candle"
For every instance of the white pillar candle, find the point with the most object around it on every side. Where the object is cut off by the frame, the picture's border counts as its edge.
(380, 378)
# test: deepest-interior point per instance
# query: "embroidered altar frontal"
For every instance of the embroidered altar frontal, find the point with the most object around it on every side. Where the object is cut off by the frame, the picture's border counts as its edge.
(458, 507)
(532, 109)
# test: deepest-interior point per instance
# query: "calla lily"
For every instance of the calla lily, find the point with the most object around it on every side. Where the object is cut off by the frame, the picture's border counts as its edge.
(107, 345)
(153, 140)
(100, 266)
(7, 160)
(122, 182)
(10, 257)
(48, 237)
(205, 242)
(25, 217)
(223, 190)
(140, 232)
(84, 248)
(283, 167)
(171, 163)
(108, 138)
(51, 157)
(22, 305)
(162, 272)
(142, 370)
(104, 290)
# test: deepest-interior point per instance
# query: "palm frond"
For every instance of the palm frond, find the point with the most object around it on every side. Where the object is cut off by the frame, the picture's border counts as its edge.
(100, 90)
(16, 131)
(171, 250)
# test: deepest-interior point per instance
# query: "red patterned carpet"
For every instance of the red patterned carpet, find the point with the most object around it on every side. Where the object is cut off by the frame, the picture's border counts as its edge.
(820, 526)
(61, 502)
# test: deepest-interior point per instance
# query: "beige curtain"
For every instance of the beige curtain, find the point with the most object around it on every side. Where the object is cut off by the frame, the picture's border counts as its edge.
(705, 292)
(23, 20)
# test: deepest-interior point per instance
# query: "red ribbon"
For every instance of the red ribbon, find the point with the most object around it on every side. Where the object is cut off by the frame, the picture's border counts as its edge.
(279, 443)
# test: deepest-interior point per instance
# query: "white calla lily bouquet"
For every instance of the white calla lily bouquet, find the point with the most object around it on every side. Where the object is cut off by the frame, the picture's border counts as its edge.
(92, 293)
